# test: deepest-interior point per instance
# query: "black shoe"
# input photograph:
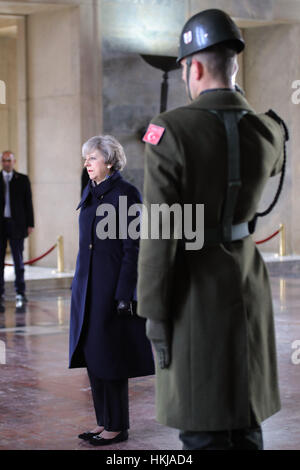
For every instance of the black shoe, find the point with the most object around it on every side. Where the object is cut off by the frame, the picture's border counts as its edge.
(100, 441)
(86, 436)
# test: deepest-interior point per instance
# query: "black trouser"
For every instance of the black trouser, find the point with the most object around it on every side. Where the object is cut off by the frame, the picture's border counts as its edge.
(17, 247)
(111, 404)
(238, 439)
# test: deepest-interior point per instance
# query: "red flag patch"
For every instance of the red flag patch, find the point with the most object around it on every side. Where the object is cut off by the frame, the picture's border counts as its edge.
(153, 134)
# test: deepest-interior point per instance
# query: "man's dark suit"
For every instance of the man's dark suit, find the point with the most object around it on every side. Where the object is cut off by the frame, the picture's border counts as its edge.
(15, 229)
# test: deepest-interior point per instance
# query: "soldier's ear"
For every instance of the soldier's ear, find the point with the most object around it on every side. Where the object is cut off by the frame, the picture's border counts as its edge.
(197, 69)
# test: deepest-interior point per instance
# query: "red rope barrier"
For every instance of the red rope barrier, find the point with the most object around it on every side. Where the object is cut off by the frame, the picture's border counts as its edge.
(269, 238)
(34, 260)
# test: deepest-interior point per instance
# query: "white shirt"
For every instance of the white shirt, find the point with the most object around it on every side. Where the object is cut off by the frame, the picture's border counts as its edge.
(4, 173)
(7, 211)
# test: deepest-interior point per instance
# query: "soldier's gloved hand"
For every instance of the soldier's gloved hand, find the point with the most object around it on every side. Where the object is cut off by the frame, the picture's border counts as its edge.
(159, 334)
(124, 307)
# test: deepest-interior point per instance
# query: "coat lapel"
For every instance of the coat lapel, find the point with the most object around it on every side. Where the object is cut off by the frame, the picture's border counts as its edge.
(2, 187)
(15, 176)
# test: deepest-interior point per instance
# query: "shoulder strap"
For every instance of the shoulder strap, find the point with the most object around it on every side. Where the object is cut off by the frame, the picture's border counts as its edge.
(231, 119)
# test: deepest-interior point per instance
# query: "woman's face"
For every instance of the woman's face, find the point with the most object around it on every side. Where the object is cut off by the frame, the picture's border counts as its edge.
(96, 167)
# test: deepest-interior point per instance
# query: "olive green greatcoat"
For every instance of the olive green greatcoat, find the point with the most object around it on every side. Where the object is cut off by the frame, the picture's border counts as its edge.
(218, 298)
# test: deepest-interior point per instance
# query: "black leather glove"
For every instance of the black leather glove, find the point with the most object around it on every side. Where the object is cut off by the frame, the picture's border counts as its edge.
(159, 333)
(125, 308)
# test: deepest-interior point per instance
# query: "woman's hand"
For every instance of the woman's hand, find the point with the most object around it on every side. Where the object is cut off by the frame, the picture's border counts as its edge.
(124, 307)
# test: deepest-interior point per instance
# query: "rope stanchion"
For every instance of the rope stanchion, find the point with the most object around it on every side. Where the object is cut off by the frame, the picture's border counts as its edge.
(282, 245)
(282, 248)
(268, 238)
(60, 255)
(34, 260)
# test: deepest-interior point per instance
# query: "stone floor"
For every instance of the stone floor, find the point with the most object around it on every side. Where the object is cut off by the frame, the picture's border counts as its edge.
(44, 405)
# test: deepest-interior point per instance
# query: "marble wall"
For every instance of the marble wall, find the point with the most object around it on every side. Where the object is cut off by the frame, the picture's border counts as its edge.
(64, 108)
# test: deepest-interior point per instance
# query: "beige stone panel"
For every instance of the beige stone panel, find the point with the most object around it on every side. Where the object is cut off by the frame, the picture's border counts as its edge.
(54, 142)
(10, 51)
(90, 69)
(21, 58)
(55, 214)
(4, 133)
(12, 96)
(8, 111)
(53, 59)
(13, 129)
(91, 112)
(22, 136)
(12, 70)
(4, 70)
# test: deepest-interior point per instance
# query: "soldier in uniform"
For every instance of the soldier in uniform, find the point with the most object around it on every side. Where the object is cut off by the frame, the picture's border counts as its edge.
(209, 311)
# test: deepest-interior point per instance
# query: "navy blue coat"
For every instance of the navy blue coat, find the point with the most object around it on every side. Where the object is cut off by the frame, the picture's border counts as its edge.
(111, 346)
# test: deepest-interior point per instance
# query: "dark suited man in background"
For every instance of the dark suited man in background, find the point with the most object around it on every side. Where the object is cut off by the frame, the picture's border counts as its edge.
(16, 222)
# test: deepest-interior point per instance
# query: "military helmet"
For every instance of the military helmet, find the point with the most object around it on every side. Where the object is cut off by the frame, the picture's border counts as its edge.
(206, 29)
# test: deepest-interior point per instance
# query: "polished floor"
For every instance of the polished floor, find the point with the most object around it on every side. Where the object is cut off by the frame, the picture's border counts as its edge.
(44, 405)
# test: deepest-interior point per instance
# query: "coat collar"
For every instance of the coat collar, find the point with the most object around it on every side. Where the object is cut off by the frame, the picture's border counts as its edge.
(101, 189)
(221, 99)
